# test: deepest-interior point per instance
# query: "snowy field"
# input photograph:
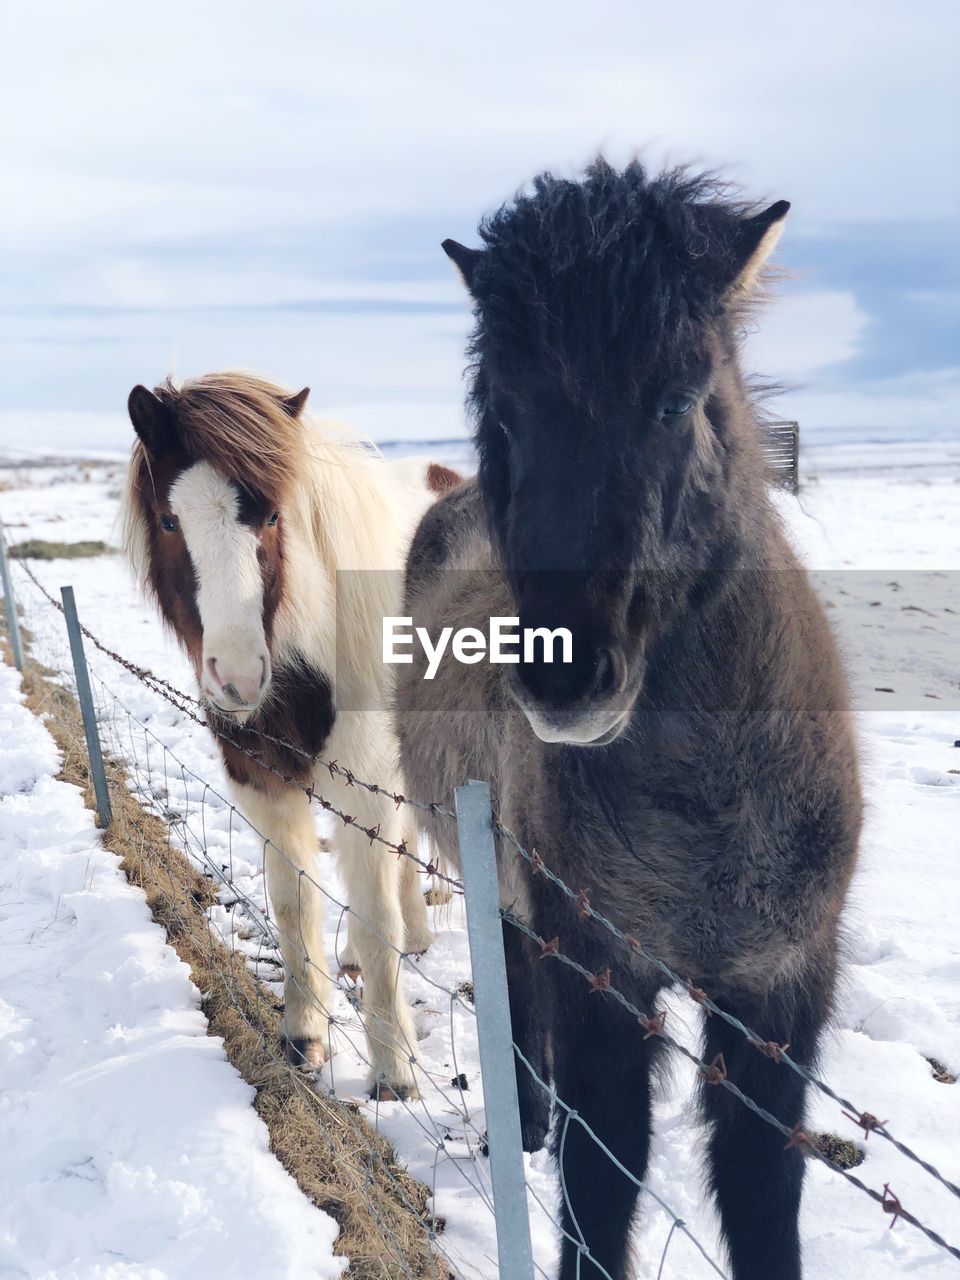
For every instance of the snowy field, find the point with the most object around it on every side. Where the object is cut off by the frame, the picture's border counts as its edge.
(130, 1148)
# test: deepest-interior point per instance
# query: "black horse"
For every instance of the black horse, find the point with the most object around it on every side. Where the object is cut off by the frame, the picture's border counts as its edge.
(693, 767)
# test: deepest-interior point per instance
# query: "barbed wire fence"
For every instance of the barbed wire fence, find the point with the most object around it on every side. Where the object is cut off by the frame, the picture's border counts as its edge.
(230, 853)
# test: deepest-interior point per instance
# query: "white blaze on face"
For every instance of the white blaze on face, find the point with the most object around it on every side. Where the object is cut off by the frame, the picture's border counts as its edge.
(236, 663)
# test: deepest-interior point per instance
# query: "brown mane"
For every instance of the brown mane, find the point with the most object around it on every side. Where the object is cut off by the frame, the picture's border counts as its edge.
(239, 424)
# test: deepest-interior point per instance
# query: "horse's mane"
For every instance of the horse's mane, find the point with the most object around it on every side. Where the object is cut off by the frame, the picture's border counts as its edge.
(577, 274)
(349, 507)
(240, 424)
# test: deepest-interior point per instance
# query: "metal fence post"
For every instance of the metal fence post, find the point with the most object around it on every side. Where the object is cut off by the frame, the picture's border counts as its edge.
(85, 698)
(13, 622)
(497, 1063)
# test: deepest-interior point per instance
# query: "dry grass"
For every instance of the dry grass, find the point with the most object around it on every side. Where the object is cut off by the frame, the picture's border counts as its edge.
(841, 1151)
(337, 1159)
(940, 1073)
(41, 549)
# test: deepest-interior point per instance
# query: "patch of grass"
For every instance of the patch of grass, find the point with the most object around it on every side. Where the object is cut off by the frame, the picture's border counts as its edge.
(939, 1071)
(40, 549)
(841, 1151)
(339, 1161)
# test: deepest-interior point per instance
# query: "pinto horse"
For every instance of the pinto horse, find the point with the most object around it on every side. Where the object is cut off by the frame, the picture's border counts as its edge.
(240, 513)
(693, 767)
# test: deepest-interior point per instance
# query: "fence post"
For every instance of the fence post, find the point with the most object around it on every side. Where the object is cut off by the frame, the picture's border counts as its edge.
(85, 698)
(13, 622)
(497, 1063)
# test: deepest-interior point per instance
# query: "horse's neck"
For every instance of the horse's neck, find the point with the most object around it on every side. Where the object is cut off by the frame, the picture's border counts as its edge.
(347, 538)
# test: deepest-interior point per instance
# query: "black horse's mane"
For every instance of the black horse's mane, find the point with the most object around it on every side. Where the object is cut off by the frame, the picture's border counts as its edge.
(580, 277)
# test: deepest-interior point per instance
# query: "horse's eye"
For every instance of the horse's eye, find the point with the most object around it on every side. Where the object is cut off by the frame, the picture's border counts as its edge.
(273, 519)
(168, 524)
(505, 429)
(676, 405)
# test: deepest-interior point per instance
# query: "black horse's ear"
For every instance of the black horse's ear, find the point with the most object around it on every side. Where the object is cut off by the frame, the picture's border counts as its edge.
(294, 404)
(756, 240)
(464, 259)
(152, 420)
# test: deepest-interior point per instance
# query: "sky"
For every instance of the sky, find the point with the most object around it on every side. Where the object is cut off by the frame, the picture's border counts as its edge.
(196, 186)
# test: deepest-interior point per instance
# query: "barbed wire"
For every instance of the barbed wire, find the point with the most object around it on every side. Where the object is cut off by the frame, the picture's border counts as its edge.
(183, 701)
(110, 707)
(273, 933)
(778, 1053)
(112, 712)
(713, 1073)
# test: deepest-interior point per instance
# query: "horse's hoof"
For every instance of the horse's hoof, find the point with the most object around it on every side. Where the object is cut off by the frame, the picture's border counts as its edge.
(351, 971)
(533, 1136)
(419, 946)
(383, 1092)
(301, 1052)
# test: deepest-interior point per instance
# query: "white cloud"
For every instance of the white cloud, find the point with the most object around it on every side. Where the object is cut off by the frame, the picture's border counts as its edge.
(799, 335)
(121, 123)
(139, 145)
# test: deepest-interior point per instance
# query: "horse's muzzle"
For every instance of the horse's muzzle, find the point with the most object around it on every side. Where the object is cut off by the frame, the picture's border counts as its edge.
(236, 686)
(589, 707)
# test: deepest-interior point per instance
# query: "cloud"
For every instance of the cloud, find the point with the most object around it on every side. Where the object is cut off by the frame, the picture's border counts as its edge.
(242, 157)
(798, 336)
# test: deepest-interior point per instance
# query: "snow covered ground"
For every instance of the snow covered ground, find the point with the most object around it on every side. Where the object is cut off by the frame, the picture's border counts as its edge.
(130, 1146)
(188, 1185)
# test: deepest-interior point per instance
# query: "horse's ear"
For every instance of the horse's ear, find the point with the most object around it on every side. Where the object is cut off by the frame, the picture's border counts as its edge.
(152, 420)
(756, 240)
(464, 259)
(294, 404)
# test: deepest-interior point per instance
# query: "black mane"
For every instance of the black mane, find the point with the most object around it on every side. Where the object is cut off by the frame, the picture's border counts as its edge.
(593, 279)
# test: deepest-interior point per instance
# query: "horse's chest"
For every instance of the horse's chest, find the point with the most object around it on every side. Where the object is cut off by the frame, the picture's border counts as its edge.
(671, 868)
(279, 745)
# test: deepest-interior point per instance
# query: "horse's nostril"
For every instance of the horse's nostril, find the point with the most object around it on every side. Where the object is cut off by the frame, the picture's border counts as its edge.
(214, 674)
(607, 672)
(603, 671)
(263, 671)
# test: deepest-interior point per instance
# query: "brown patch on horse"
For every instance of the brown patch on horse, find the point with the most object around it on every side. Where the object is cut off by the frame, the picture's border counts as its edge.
(299, 711)
(441, 479)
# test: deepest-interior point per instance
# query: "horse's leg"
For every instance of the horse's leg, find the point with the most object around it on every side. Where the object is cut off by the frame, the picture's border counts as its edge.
(285, 818)
(756, 1177)
(602, 1072)
(417, 933)
(372, 877)
(528, 1019)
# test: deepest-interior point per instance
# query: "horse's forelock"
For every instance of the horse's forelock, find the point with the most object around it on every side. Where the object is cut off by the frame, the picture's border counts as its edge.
(589, 280)
(242, 426)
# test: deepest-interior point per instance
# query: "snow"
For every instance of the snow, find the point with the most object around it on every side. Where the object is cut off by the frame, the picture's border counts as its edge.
(880, 528)
(131, 1148)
